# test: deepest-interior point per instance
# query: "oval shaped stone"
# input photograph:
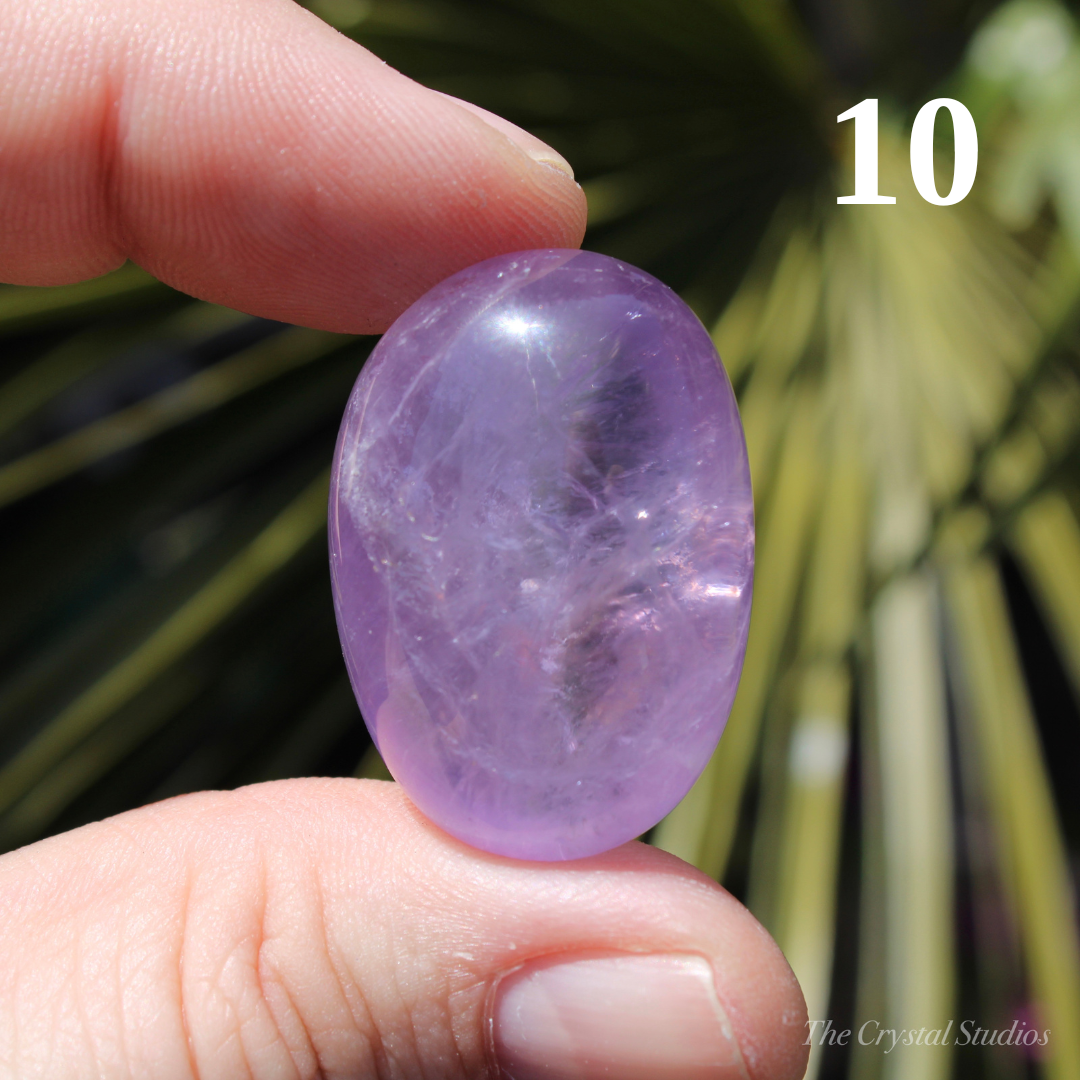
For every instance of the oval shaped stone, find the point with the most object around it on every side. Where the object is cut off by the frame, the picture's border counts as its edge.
(542, 543)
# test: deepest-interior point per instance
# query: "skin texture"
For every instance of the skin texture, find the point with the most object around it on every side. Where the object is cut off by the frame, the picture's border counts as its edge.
(324, 928)
(246, 153)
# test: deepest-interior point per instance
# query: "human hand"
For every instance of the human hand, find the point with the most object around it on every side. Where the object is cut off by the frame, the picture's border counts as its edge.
(324, 928)
(244, 152)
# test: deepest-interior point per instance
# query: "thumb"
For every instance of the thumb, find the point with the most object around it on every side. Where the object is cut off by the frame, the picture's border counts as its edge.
(246, 153)
(323, 928)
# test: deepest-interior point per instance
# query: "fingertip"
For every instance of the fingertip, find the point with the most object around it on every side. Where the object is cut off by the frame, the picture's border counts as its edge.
(632, 901)
(311, 924)
(250, 155)
(768, 1012)
(754, 982)
(535, 148)
(389, 190)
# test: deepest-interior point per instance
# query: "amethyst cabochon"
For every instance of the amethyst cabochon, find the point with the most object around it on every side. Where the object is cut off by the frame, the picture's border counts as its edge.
(542, 548)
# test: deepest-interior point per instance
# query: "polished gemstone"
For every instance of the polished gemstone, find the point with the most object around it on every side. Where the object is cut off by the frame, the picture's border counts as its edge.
(542, 546)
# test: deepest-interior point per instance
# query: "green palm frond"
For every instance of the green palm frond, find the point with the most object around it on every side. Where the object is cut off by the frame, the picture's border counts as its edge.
(157, 530)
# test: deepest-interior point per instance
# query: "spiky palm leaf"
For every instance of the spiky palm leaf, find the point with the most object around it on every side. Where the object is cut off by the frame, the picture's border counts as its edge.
(907, 378)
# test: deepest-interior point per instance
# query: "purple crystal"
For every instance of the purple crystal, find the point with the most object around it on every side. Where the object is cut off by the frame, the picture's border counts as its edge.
(542, 545)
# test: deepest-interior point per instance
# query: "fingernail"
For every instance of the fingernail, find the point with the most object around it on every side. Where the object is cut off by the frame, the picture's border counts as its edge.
(536, 148)
(624, 1017)
(547, 156)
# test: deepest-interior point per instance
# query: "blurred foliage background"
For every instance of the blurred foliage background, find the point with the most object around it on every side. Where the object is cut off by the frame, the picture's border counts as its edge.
(895, 796)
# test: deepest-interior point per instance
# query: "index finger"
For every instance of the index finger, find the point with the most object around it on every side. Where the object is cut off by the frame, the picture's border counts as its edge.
(246, 153)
